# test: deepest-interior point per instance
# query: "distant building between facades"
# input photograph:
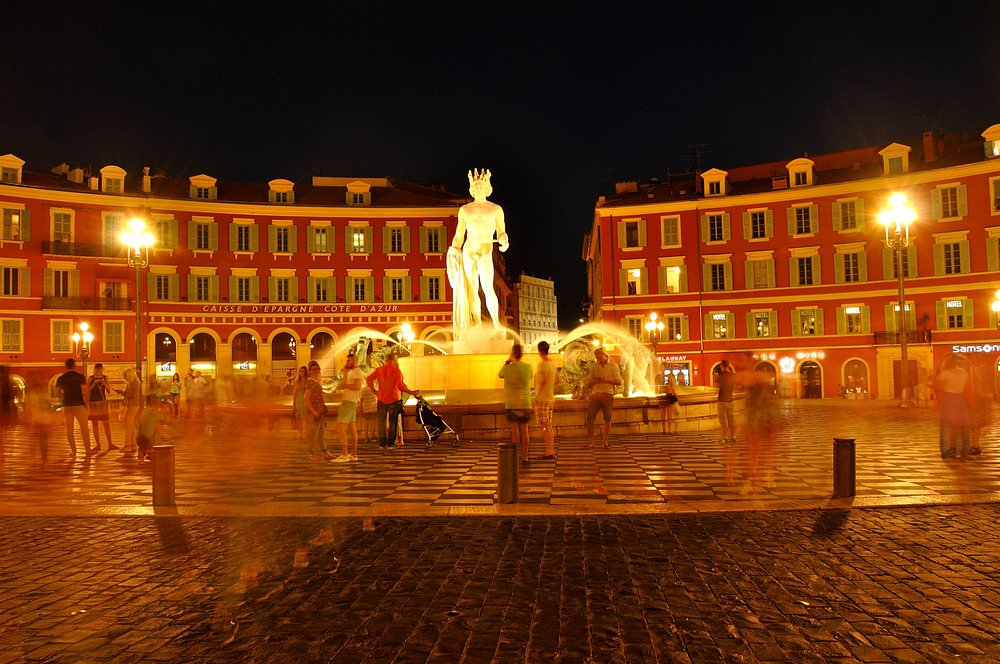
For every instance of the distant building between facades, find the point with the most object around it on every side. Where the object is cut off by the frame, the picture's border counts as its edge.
(245, 280)
(535, 310)
(783, 267)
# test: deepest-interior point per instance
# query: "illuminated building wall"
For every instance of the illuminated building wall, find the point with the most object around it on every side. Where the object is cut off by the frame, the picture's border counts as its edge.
(535, 310)
(782, 266)
(243, 277)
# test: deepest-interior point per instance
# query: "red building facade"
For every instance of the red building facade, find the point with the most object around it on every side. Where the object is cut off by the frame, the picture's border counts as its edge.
(783, 266)
(245, 280)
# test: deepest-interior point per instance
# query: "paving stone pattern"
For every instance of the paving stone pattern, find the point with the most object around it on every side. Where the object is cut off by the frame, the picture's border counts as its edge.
(895, 584)
(247, 467)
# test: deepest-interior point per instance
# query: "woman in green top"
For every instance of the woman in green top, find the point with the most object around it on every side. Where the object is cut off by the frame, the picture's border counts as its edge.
(175, 395)
(516, 377)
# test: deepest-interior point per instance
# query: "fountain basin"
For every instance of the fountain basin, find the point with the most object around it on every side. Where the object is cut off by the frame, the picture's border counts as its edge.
(462, 379)
(488, 421)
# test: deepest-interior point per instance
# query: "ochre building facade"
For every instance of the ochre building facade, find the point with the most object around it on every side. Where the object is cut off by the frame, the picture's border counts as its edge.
(783, 266)
(245, 280)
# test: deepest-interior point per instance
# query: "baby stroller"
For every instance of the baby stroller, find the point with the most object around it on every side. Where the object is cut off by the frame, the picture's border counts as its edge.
(432, 423)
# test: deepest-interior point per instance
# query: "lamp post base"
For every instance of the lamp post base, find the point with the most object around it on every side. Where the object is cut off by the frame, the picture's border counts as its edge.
(904, 400)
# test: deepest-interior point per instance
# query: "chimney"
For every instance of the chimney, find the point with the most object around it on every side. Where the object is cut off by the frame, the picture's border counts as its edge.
(930, 146)
(146, 180)
(61, 169)
(627, 187)
(93, 182)
(699, 184)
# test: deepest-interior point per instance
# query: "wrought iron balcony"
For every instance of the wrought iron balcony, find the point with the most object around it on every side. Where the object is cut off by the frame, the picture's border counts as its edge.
(87, 303)
(59, 248)
(912, 337)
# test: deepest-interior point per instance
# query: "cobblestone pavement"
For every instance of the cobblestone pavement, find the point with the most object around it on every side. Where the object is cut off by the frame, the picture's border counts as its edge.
(883, 584)
(222, 469)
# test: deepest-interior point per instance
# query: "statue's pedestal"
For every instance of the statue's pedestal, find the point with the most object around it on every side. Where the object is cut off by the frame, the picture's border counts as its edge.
(461, 378)
(482, 340)
(468, 375)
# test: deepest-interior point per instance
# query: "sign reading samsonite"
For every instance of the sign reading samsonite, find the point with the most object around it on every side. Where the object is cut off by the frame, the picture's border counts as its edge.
(977, 348)
(300, 308)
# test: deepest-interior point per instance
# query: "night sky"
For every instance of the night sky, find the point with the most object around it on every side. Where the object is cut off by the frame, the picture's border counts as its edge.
(558, 100)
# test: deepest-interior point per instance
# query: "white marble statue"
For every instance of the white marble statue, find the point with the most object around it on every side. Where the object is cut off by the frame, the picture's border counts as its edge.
(470, 256)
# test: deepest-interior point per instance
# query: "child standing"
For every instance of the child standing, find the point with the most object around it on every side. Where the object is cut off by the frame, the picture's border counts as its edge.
(149, 421)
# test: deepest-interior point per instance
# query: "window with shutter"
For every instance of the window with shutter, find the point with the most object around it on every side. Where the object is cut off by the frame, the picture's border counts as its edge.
(10, 331)
(61, 331)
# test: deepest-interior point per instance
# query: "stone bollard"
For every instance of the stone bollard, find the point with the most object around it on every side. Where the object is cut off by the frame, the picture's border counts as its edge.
(843, 467)
(163, 476)
(507, 467)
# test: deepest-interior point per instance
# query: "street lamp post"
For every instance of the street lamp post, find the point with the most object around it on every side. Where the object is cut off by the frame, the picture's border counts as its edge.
(897, 219)
(996, 308)
(138, 240)
(82, 341)
(655, 328)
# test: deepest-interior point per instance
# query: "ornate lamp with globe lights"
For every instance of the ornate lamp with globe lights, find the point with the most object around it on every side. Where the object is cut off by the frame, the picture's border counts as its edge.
(897, 219)
(138, 240)
(81, 343)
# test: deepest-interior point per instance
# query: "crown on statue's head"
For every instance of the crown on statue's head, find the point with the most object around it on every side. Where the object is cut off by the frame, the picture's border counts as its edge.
(477, 175)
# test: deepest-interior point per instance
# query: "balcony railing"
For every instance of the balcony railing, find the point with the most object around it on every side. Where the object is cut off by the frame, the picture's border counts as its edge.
(912, 337)
(87, 303)
(59, 248)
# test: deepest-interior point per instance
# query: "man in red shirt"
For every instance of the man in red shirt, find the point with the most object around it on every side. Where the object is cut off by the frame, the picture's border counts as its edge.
(389, 380)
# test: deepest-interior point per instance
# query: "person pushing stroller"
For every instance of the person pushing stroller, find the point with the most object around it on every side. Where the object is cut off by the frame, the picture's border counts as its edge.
(387, 384)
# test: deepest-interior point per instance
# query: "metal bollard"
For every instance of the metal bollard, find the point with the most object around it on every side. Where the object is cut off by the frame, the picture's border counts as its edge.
(507, 466)
(843, 467)
(163, 476)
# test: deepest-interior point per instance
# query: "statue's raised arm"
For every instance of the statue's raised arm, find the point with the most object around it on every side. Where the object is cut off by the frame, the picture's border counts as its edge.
(470, 257)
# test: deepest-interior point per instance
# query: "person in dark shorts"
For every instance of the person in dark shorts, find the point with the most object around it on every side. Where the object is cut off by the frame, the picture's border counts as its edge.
(74, 399)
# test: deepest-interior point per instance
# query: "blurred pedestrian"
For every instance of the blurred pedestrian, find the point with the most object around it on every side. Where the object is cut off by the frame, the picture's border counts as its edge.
(316, 416)
(149, 422)
(605, 377)
(951, 385)
(724, 405)
(980, 413)
(669, 403)
(188, 382)
(545, 398)
(175, 395)
(98, 389)
(387, 384)
(196, 395)
(299, 412)
(762, 416)
(369, 406)
(516, 377)
(40, 417)
(288, 387)
(74, 399)
(8, 408)
(130, 414)
(347, 413)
